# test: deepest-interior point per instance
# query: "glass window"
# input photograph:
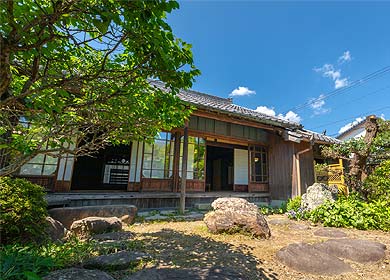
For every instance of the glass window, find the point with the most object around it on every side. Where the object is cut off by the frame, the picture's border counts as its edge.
(40, 165)
(195, 159)
(158, 157)
(259, 164)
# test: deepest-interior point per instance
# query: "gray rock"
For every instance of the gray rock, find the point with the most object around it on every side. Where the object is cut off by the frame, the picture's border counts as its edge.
(94, 225)
(116, 261)
(196, 273)
(358, 250)
(78, 274)
(55, 229)
(306, 258)
(317, 194)
(114, 236)
(298, 227)
(234, 214)
(330, 232)
(68, 215)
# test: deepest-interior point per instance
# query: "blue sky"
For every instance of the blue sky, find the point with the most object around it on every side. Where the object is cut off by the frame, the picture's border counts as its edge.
(279, 56)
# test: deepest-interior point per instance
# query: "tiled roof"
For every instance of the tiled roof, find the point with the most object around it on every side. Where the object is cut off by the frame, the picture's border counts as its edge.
(359, 124)
(226, 106)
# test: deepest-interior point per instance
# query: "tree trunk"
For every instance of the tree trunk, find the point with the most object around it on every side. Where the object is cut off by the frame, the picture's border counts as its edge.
(358, 164)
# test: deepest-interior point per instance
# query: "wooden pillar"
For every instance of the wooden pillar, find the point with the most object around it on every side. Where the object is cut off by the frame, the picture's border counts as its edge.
(184, 171)
(176, 163)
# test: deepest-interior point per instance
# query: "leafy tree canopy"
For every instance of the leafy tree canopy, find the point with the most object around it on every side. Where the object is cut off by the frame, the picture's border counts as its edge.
(75, 74)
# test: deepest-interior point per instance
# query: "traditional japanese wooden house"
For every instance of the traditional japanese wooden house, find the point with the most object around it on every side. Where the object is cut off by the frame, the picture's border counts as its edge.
(228, 148)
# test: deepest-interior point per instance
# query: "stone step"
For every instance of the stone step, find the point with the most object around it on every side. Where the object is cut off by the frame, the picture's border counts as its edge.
(202, 206)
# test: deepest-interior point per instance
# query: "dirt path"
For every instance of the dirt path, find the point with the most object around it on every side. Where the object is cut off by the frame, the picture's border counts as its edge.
(189, 244)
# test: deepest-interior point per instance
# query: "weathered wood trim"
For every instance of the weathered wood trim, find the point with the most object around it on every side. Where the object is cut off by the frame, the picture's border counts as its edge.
(231, 119)
(152, 185)
(258, 187)
(240, 188)
(62, 186)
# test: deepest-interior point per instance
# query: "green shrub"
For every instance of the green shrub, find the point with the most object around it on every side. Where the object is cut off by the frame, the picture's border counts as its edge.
(23, 210)
(353, 212)
(294, 204)
(33, 261)
(377, 185)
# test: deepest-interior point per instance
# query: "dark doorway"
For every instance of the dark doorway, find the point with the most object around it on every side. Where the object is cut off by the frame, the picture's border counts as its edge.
(219, 168)
(108, 169)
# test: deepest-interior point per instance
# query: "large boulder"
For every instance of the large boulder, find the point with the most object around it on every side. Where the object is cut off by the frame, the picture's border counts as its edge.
(94, 225)
(236, 214)
(317, 194)
(195, 273)
(78, 274)
(358, 250)
(68, 215)
(116, 261)
(55, 230)
(306, 258)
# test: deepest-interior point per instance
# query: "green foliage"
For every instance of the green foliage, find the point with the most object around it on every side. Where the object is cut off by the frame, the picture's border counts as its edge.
(85, 74)
(22, 262)
(294, 203)
(377, 185)
(269, 210)
(23, 210)
(353, 212)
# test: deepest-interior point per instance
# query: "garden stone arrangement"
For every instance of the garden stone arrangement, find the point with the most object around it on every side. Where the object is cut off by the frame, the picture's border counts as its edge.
(327, 258)
(236, 214)
(317, 194)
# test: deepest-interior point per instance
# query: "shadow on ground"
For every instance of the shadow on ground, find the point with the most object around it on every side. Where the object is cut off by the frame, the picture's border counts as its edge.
(175, 250)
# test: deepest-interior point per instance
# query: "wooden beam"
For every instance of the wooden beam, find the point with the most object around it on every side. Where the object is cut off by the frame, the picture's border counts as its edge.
(231, 119)
(184, 171)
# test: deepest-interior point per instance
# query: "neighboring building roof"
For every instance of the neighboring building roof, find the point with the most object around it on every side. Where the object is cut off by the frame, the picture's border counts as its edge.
(345, 135)
(226, 106)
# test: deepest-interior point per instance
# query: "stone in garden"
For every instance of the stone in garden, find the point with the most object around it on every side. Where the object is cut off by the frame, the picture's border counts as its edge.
(94, 225)
(235, 214)
(306, 258)
(67, 215)
(114, 236)
(78, 274)
(317, 194)
(55, 229)
(279, 221)
(167, 273)
(116, 261)
(357, 250)
(298, 227)
(330, 232)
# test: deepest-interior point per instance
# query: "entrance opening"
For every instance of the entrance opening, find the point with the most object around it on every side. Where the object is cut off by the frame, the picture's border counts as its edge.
(108, 169)
(219, 169)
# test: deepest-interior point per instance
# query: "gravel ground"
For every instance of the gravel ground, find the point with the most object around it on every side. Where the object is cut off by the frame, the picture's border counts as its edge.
(189, 244)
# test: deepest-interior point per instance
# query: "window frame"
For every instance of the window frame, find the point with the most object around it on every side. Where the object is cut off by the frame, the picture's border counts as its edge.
(263, 176)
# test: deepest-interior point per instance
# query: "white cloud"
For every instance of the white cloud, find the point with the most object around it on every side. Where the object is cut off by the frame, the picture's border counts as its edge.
(328, 71)
(382, 116)
(317, 104)
(242, 91)
(340, 83)
(290, 115)
(351, 124)
(345, 57)
(265, 110)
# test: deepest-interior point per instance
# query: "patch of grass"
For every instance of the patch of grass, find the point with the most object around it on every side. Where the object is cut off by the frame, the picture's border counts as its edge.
(31, 260)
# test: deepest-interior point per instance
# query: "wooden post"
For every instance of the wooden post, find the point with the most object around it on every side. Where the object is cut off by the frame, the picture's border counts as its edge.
(184, 171)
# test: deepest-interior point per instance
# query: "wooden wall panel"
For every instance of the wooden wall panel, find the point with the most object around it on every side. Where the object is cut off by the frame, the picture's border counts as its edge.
(133, 186)
(307, 167)
(240, 188)
(280, 167)
(156, 185)
(47, 182)
(258, 187)
(195, 186)
(62, 186)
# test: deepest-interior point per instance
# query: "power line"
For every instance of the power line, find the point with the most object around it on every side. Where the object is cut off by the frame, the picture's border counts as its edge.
(365, 79)
(350, 118)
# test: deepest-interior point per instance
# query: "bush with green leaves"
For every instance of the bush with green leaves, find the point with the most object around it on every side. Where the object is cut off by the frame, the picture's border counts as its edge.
(377, 185)
(23, 211)
(294, 209)
(353, 212)
(33, 261)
